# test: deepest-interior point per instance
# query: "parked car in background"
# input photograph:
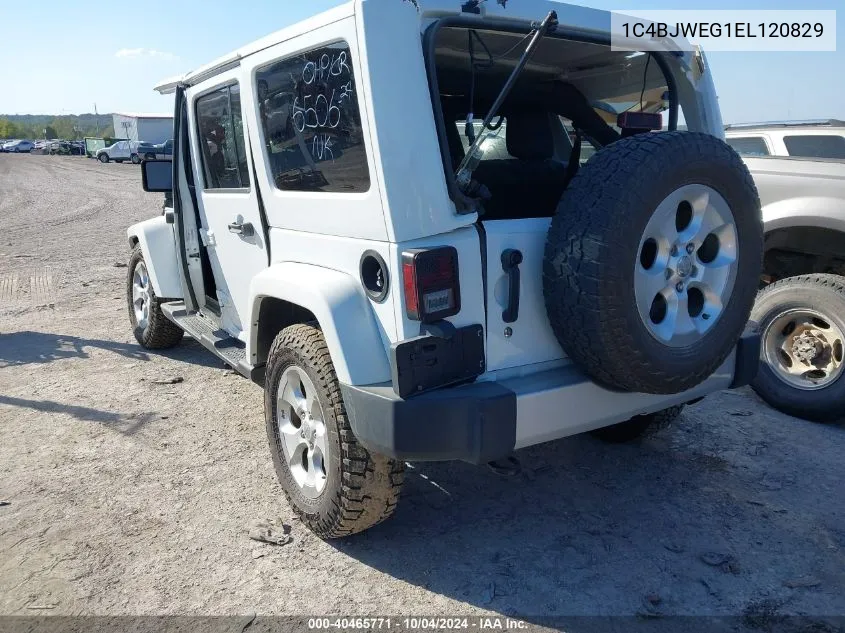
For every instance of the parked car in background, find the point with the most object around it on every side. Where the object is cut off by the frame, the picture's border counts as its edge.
(803, 139)
(119, 152)
(142, 148)
(58, 148)
(18, 147)
(799, 170)
(162, 151)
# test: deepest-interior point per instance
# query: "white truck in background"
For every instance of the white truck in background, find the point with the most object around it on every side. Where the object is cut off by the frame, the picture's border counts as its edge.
(799, 170)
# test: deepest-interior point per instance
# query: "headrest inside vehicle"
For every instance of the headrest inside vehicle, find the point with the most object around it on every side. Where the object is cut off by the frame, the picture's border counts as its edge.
(530, 136)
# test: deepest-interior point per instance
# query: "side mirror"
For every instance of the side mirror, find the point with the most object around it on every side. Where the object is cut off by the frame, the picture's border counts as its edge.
(157, 175)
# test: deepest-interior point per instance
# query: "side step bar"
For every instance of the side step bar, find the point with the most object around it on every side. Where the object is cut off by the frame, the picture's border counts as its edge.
(227, 348)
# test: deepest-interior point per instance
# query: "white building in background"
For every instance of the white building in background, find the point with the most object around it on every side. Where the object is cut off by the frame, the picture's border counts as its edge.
(153, 128)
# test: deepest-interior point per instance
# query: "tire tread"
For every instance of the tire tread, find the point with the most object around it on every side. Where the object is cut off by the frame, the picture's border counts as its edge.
(827, 404)
(592, 324)
(161, 332)
(370, 484)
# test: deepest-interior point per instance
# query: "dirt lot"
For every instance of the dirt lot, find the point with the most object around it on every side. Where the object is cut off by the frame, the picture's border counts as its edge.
(126, 496)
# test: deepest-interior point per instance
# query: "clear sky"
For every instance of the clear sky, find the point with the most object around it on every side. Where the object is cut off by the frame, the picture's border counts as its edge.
(62, 57)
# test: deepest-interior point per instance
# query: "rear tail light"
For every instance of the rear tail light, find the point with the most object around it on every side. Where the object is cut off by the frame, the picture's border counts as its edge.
(430, 282)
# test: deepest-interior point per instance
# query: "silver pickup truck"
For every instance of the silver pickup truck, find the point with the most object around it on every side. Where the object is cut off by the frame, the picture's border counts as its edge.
(801, 308)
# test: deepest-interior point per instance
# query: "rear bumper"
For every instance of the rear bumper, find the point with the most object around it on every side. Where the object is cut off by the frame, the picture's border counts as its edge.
(484, 421)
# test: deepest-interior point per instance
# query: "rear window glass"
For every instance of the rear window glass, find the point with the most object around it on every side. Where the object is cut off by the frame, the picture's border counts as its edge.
(749, 145)
(311, 121)
(815, 146)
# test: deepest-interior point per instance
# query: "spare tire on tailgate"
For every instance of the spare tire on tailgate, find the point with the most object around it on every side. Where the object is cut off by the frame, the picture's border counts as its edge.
(652, 261)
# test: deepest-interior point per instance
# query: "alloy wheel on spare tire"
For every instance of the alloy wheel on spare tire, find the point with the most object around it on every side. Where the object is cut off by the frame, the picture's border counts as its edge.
(652, 261)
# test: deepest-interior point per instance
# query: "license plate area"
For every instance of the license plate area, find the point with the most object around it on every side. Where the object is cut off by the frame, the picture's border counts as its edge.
(427, 362)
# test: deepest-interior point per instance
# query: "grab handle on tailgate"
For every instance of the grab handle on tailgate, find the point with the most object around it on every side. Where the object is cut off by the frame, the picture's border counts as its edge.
(511, 259)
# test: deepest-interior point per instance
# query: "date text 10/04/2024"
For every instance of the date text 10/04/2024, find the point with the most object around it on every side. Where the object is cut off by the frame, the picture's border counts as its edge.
(417, 623)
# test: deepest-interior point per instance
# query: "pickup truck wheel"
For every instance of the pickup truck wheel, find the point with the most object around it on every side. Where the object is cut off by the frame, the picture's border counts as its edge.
(152, 329)
(103, 158)
(652, 261)
(136, 160)
(335, 485)
(802, 321)
(637, 426)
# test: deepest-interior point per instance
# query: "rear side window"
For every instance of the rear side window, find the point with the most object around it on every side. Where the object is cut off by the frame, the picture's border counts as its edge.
(815, 146)
(311, 121)
(749, 145)
(221, 136)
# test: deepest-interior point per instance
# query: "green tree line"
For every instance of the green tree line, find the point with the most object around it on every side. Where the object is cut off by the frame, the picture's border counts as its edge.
(71, 126)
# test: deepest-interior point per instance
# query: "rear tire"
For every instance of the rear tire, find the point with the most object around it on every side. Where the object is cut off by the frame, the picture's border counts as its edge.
(638, 425)
(652, 261)
(136, 160)
(152, 329)
(802, 323)
(335, 485)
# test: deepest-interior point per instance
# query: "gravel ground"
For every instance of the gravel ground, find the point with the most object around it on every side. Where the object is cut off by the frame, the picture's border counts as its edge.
(125, 496)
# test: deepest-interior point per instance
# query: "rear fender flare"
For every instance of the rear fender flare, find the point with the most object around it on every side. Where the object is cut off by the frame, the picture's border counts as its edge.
(345, 317)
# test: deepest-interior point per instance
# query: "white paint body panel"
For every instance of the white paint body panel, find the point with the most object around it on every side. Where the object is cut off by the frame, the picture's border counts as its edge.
(466, 242)
(531, 340)
(347, 214)
(564, 402)
(235, 259)
(406, 149)
(774, 136)
(117, 151)
(799, 192)
(155, 236)
(339, 303)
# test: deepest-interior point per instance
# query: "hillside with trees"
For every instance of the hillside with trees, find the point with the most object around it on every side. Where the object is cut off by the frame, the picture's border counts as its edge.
(67, 126)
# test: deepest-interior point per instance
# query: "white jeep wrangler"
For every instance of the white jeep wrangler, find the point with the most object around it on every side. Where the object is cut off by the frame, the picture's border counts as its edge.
(385, 216)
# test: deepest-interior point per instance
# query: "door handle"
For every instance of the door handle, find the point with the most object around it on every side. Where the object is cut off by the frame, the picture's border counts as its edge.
(511, 259)
(244, 229)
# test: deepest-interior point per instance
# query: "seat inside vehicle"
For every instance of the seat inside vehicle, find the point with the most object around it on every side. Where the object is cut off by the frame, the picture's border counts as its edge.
(530, 182)
(567, 90)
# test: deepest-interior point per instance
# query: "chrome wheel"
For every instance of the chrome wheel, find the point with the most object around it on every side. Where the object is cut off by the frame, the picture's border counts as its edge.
(804, 348)
(686, 265)
(302, 431)
(141, 294)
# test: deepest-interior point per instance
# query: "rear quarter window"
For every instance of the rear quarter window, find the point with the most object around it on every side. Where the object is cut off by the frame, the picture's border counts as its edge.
(308, 107)
(815, 146)
(749, 145)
